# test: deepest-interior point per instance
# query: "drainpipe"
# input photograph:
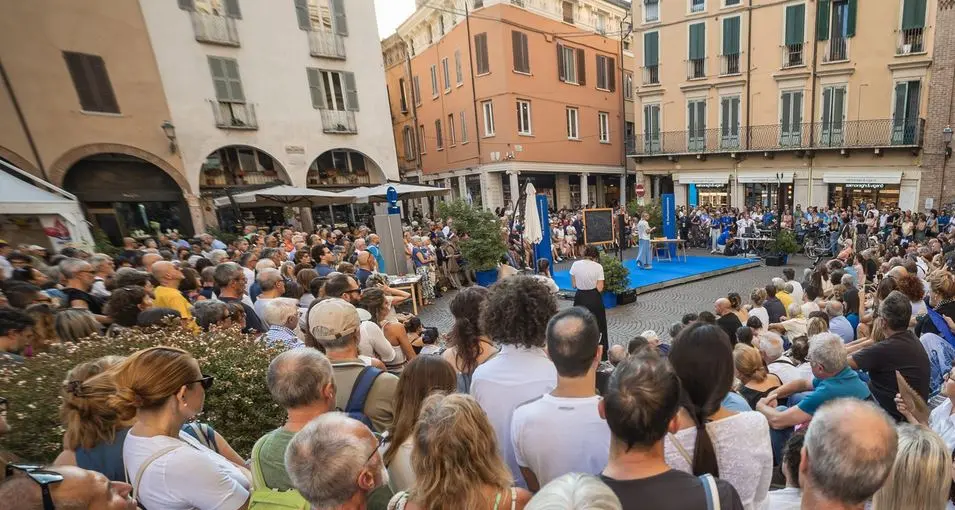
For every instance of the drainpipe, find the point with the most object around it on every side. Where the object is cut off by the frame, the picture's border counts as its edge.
(414, 107)
(22, 120)
(477, 135)
(623, 110)
(749, 67)
(812, 102)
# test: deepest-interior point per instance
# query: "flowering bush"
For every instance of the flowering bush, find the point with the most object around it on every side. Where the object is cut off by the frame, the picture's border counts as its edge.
(238, 405)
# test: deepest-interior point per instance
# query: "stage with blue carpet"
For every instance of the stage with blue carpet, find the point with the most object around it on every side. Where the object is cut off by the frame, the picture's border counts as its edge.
(670, 273)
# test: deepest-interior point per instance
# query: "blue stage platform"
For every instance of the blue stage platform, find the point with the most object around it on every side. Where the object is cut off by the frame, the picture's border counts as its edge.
(667, 274)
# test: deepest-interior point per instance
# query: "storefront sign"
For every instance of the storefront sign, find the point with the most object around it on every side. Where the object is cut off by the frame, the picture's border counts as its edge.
(709, 185)
(864, 185)
(295, 149)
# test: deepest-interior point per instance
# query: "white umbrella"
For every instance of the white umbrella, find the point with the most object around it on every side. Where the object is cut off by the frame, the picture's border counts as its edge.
(286, 196)
(532, 222)
(405, 192)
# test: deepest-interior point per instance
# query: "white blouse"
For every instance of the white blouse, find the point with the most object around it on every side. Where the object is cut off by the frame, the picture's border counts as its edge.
(586, 274)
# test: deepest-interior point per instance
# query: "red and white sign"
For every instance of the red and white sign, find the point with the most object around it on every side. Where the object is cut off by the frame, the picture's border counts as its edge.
(641, 191)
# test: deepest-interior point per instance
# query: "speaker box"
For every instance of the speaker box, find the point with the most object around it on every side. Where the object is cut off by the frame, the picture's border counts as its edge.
(775, 260)
(627, 297)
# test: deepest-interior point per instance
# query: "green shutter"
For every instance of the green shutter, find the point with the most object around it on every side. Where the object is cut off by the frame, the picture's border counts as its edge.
(351, 92)
(341, 20)
(301, 12)
(315, 88)
(731, 36)
(851, 18)
(232, 9)
(697, 41)
(822, 20)
(795, 24)
(913, 14)
(219, 79)
(651, 49)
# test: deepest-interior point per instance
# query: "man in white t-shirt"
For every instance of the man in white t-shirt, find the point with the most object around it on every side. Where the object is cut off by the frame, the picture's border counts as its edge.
(771, 349)
(542, 430)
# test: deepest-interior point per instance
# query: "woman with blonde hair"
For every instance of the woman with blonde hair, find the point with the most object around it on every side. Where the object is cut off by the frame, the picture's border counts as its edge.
(456, 461)
(44, 329)
(921, 475)
(815, 326)
(75, 324)
(758, 298)
(755, 380)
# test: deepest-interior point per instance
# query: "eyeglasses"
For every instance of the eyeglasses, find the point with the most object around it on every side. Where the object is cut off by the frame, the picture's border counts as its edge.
(206, 381)
(381, 441)
(41, 476)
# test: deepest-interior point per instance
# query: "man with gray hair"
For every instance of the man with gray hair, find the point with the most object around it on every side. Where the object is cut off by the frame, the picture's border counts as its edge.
(264, 263)
(218, 256)
(334, 462)
(281, 314)
(781, 294)
(833, 379)
(838, 323)
(900, 351)
(770, 346)
(230, 279)
(103, 268)
(78, 281)
(272, 285)
(209, 313)
(849, 450)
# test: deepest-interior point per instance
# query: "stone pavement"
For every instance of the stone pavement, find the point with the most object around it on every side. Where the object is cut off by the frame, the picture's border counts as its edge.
(655, 310)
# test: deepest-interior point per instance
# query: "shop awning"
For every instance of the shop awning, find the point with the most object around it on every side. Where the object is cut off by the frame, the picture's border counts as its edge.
(704, 178)
(766, 177)
(866, 176)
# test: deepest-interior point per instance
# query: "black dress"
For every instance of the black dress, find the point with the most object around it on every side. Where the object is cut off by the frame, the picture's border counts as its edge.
(591, 300)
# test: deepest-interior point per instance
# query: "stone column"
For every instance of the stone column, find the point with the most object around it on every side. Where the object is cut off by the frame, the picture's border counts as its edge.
(308, 224)
(623, 190)
(195, 212)
(463, 187)
(584, 190)
(600, 199)
(515, 187)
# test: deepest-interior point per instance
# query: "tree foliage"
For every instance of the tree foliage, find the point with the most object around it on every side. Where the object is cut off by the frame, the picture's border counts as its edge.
(483, 245)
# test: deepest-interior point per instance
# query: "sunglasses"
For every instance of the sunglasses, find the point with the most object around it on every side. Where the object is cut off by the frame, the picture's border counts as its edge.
(41, 476)
(206, 381)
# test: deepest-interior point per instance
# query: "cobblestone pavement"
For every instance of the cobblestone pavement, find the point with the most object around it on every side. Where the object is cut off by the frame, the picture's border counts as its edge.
(655, 310)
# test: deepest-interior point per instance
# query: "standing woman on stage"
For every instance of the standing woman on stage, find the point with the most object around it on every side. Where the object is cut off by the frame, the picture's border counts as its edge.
(587, 276)
(644, 255)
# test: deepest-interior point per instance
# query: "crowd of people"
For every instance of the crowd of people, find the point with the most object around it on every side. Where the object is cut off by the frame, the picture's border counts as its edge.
(832, 390)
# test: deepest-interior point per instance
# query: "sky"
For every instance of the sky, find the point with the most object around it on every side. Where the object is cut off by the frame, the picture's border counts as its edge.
(390, 14)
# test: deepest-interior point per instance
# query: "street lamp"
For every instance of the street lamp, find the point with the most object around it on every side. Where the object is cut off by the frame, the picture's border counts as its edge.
(947, 138)
(170, 131)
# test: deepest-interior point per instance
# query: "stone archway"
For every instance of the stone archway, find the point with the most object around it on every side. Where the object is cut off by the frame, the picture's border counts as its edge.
(344, 168)
(20, 162)
(240, 166)
(57, 171)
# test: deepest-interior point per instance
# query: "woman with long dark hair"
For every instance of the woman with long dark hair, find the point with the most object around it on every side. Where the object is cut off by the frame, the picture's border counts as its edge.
(712, 439)
(587, 276)
(468, 347)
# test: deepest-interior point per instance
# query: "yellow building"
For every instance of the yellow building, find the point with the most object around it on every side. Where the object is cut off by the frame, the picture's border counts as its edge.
(745, 102)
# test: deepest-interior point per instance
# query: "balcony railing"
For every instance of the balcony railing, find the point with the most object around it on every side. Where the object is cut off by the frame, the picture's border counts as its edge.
(696, 68)
(229, 115)
(910, 41)
(793, 55)
(651, 75)
(322, 43)
(212, 28)
(339, 121)
(837, 49)
(729, 65)
(343, 178)
(859, 134)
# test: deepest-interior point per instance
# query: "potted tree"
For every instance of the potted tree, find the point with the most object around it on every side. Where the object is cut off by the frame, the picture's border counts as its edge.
(481, 244)
(616, 278)
(785, 245)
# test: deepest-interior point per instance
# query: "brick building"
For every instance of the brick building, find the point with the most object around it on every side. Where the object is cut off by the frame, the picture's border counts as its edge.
(938, 181)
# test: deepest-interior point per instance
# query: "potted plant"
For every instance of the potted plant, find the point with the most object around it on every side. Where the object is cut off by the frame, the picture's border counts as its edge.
(616, 278)
(481, 244)
(785, 244)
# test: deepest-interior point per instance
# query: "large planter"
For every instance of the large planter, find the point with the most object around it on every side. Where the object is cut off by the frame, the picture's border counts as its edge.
(486, 278)
(609, 299)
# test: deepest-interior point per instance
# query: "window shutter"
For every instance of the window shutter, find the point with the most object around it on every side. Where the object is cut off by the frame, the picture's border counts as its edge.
(457, 66)
(734, 116)
(102, 89)
(898, 116)
(601, 72)
(219, 79)
(315, 88)
(341, 20)
(795, 24)
(516, 49)
(231, 68)
(838, 105)
(651, 49)
(691, 118)
(731, 36)
(301, 12)
(725, 116)
(822, 20)
(581, 67)
(480, 50)
(827, 105)
(560, 63)
(797, 109)
(787, 98)
(232, 9)
(913, 14)
(84, 90)
(351, 92)
(697, 41)
(611, 74)
(851, 18)
(187, 5)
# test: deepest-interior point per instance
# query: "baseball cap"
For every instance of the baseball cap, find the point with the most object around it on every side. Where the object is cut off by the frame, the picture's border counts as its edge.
(332, 319)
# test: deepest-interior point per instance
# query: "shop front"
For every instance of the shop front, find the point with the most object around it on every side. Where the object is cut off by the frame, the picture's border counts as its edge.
(545, 184)
(768, 190)
(703, 189)
(848, 190)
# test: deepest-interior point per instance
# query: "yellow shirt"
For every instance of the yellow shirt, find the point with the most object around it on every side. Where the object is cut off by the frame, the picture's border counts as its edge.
(785, 299)
(167, 297)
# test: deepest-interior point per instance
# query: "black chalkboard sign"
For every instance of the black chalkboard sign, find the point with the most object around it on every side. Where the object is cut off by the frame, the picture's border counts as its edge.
(598, 226)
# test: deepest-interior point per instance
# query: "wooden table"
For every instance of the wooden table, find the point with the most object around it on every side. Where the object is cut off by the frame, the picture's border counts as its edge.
(410, 283)
(663, 244)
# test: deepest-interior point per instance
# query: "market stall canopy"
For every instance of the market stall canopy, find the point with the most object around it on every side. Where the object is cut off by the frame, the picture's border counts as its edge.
(405, 192)
(286, 196)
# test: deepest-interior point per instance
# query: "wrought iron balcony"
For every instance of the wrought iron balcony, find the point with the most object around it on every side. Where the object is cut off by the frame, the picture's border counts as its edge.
(910, 41)
(230, 115)
(729, 65)
(696, 68)
(339, 121)
(837, 49)
(859, 134)
(215, 29)
(651, 75)
(323, 43)
(793, 55)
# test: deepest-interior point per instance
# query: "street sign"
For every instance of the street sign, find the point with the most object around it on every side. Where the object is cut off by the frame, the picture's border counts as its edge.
(392, 196)
(641, 191)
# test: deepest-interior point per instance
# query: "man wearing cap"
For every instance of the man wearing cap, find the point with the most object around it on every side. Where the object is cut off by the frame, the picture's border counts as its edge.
(334, 324)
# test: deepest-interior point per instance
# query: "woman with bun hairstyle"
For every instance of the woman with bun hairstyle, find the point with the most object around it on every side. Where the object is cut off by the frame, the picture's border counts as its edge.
(468, 347)
(162, 388)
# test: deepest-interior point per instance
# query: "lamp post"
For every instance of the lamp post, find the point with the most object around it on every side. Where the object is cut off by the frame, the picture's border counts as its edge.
(170, 131)
(947, 139)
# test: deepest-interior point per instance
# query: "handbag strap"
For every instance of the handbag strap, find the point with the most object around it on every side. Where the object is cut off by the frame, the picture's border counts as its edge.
(144, 465)
(941, 326)
(712, 492)
(258, 481)
(679, 446)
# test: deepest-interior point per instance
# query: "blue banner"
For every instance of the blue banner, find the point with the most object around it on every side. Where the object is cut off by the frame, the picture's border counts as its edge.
(542, 250)
(669, 220)
(693, 196)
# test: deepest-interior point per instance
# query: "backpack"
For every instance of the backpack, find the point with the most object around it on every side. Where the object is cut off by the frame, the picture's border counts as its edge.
(203, 433)
(355, 408)
(264, 498)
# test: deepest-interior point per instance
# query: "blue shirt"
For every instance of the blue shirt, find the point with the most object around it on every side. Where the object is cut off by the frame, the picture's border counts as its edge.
(280, 336)
(735, 402)
(376, 252)
(218, 245)
(844, 384)
(323, 269)
(842, 327)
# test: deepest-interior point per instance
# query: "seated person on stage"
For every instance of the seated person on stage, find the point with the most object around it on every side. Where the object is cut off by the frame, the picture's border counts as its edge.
(726, 243)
